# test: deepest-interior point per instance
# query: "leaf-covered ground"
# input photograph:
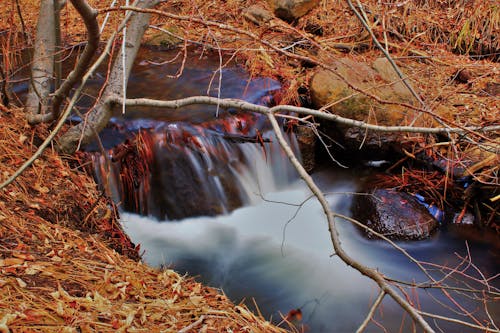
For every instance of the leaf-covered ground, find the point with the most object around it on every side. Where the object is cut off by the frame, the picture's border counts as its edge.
(59, 271)
(448, 49)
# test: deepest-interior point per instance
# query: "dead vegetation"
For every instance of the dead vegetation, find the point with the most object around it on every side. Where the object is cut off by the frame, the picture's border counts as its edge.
(53, 276)
(59, 273)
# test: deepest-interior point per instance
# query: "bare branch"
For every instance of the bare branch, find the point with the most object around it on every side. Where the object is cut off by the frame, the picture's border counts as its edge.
(291, 55)
(458, 321)
(42, 68)
(384, 51)
(371, 273)
(369, 316)
(89, 16)
(192, 325)
(246, 106)
(98, 117)
(62, 119)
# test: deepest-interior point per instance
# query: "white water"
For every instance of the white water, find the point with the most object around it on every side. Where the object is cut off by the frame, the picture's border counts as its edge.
(245, 254)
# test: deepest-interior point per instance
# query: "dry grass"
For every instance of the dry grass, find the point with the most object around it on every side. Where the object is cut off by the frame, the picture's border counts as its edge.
(58, 272)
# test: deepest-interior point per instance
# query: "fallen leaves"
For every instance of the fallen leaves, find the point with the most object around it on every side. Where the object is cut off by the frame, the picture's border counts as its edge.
(5, 321)
(54, 277)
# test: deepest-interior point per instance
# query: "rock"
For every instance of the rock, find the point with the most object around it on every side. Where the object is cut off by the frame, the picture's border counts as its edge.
(307, 146)
(396, 215)
(163, 40)
(388, 74)
(327, 88)
(291, 10)
(257, 14)
(315, 29)
(467, 218)
(492, 89)
(463, 75)
(373, 145)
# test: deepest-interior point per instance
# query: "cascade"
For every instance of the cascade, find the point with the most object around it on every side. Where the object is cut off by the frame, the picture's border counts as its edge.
(196, 161)
(179, 170)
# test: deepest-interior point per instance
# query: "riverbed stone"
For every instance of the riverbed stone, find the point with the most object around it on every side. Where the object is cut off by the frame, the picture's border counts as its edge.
(306, 138)
(332, 89)
(257, 14)
(291, 10)
(398, 216)
(384, 68)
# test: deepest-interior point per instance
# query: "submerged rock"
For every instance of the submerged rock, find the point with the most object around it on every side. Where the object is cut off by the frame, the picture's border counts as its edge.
(290, 10)
(396, 215)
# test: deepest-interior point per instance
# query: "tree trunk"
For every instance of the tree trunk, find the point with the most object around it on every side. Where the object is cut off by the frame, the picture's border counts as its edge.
(89, 16)
(98, 117)
(42, 69)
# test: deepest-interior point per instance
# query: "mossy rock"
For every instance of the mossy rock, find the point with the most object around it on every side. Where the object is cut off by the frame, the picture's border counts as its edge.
(327, 87)
(164, 41)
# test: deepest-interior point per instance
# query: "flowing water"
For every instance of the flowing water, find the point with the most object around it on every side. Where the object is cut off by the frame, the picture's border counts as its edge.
(233, 212)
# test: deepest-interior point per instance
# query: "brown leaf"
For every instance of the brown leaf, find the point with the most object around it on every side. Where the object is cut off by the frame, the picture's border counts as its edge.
(11, 262)
(21, 283)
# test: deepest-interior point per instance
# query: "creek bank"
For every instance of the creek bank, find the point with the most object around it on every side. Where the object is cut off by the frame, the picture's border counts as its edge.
(466, 199)
(63, 249)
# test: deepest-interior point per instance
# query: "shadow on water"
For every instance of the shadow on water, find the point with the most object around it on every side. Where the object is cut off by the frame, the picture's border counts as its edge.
(271, 244)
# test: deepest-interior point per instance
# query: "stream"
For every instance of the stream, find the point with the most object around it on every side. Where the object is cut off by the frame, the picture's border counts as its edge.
(235, 215)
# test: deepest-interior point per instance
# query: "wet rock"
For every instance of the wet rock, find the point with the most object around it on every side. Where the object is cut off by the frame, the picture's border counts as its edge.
(372, 145)
(178, 190)
(307, 145)
(291, 10)
(466, 219)
(396, 215)
(257, 14)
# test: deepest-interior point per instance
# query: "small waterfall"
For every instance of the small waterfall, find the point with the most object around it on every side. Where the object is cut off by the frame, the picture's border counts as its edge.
(176, 170)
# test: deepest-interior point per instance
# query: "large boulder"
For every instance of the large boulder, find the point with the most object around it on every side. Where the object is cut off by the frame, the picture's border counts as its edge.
(291, 10)
(330, 90)
(396, 215)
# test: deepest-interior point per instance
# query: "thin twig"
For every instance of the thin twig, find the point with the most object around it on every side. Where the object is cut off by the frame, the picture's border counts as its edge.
(369, 316)
(458, 321)
(62, 119)
(192, 325)
(371, 273)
